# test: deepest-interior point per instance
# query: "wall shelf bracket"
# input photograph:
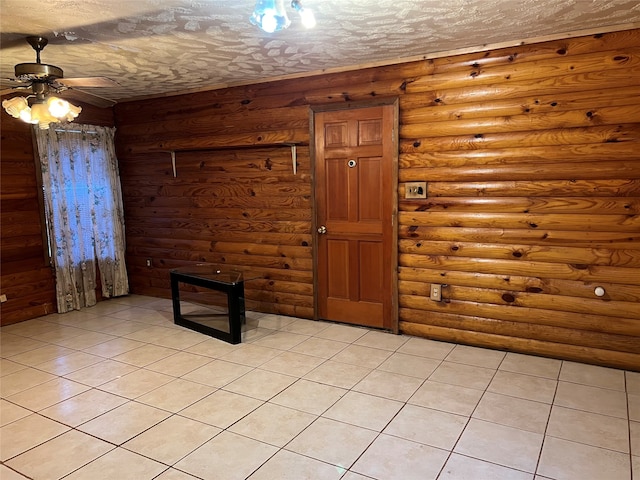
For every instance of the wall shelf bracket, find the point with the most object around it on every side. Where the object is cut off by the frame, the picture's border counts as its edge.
(294, 157)
(173, 163)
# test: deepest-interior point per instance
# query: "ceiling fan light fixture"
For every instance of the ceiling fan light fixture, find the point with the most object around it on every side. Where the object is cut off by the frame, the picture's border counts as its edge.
(41, 107)
(43, 112)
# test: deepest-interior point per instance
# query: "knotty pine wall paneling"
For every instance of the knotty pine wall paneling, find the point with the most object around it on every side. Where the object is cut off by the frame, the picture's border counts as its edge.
(25, 276)
(531, 156)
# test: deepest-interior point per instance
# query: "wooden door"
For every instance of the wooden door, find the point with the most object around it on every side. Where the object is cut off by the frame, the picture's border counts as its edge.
(355, 178)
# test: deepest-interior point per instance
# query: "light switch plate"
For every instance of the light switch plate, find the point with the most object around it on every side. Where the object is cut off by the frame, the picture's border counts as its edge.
(415, 190)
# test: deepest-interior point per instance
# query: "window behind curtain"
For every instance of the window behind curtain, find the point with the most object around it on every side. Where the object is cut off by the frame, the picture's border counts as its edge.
(83, 210)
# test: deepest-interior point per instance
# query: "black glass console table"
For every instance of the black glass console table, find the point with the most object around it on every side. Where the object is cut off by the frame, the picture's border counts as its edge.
(205, 318)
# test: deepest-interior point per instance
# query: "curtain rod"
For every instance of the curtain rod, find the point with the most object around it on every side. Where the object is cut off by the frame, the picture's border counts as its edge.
(75, 131)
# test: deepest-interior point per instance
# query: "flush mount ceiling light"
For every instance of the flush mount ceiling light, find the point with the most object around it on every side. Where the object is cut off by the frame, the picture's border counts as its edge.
(306, 16)
(271, 16)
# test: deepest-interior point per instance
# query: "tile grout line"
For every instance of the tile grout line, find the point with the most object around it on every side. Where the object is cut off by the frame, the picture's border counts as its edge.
(546, 427)
(297, 377)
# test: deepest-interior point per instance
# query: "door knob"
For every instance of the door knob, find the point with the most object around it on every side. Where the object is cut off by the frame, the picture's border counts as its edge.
(322, 229)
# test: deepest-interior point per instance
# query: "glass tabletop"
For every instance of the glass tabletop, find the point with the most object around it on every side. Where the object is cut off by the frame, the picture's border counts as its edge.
(216, 273)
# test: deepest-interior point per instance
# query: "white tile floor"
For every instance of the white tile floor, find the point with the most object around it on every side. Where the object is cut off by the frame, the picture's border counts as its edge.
(118, 392)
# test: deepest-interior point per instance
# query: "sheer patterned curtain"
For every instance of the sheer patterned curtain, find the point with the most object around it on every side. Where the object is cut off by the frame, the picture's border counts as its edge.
(83, 211)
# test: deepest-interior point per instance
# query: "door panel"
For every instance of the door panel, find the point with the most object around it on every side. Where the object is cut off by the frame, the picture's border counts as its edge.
(369, 181)
(336, 135)
(370, 132)
(338, 269)
(371, 278)
(337, 182)
(356, 182)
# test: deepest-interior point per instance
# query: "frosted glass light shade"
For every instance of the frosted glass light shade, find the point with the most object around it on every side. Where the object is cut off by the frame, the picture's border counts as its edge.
(306, 16)
(15, 106)
(270, 15)
(62, 109)
(58, 107)
(40, 114)
(73, 112)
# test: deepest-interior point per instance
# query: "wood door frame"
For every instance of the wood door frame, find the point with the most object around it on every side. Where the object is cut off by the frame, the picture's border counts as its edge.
(393, 267)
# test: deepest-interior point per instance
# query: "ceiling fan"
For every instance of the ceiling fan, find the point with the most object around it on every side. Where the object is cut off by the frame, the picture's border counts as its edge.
(44, 79)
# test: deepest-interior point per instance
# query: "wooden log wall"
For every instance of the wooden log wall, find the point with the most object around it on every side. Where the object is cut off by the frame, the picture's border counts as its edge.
(531, 155)
(25, 276)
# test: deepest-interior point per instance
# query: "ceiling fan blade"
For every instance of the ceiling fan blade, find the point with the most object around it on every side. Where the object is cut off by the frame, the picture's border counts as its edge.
(87, 97)
(11, 85)
(6, 91)
(15, 81)
(88, 82)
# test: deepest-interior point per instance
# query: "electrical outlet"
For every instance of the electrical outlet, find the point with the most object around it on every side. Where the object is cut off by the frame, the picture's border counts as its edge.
(149, 263)
(3, 298)
(415, 190)
(436, 292)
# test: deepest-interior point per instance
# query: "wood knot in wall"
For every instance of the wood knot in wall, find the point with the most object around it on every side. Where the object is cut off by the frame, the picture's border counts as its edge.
(507, 297)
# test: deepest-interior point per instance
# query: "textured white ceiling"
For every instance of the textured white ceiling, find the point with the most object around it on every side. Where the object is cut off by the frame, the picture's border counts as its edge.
(157, 47)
